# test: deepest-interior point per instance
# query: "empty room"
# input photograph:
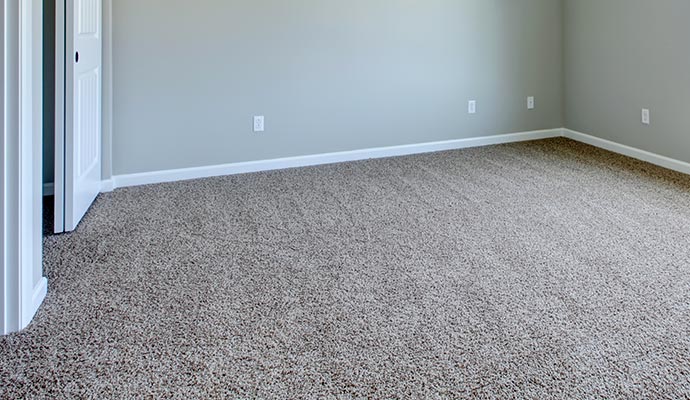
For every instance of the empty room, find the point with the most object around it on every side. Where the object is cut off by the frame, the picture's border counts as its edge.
(307, 199)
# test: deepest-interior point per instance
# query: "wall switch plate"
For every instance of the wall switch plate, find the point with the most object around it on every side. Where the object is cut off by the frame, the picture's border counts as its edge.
(646, 117)
(472, 107)
(530, 103)
(259, 124)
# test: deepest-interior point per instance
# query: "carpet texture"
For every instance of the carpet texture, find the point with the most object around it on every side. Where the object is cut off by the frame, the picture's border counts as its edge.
(539, 270)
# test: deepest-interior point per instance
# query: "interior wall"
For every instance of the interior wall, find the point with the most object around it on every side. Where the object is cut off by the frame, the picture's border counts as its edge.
(328, 76)
(3, 192)
(49, 91)
(625, 55)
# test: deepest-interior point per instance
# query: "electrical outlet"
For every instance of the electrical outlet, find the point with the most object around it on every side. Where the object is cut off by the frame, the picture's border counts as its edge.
(472, 107)
(646, 117)
(530, 103)
(259, 124)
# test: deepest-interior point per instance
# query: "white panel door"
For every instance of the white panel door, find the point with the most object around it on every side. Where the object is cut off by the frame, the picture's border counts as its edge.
(82, 113)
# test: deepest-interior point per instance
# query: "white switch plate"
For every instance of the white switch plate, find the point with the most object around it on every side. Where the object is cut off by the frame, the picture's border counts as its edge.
(530, 103)
(472, 107)
(259, 124)
(646, 117)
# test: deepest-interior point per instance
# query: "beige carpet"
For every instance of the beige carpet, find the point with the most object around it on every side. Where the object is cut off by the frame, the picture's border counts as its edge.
(539, 270)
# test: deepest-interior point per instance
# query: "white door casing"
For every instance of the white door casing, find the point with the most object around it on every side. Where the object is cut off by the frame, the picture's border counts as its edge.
(83, 113)
(24, 287)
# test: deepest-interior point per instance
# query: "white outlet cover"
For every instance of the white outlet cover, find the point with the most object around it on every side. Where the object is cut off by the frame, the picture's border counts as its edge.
(259, 125)
(472, 107)
(530, 103)
(646, 116)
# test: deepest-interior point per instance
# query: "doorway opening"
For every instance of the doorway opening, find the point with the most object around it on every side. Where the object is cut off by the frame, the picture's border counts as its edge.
(49, 34)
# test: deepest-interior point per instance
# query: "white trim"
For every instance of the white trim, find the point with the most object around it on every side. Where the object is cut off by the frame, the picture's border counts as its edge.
(40, 293)
(59, 175)
(37, 156)
(22, 148)
(148, 178)
(30, 151)
(107, 185)
(656, 159)
(26, 204)
(13, 178)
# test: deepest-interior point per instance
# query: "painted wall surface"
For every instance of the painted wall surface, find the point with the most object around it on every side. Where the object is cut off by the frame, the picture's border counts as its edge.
(328, 75)
(49, 91)
(625, 55)
(3, 133)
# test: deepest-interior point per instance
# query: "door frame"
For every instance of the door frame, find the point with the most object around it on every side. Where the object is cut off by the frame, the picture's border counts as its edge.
(59, 129)
(23, 284)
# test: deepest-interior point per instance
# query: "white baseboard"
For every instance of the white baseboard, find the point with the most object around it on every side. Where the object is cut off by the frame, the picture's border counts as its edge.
(321, 159)
(176, 175)
(48, 189)
(40, 292)
(662, 161)
(107, 185)
(29, 309)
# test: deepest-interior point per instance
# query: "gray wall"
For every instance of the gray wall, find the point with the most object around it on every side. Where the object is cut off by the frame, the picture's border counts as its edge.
(625, 55)
(48, 91)
(329, 75)
(3, 135)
